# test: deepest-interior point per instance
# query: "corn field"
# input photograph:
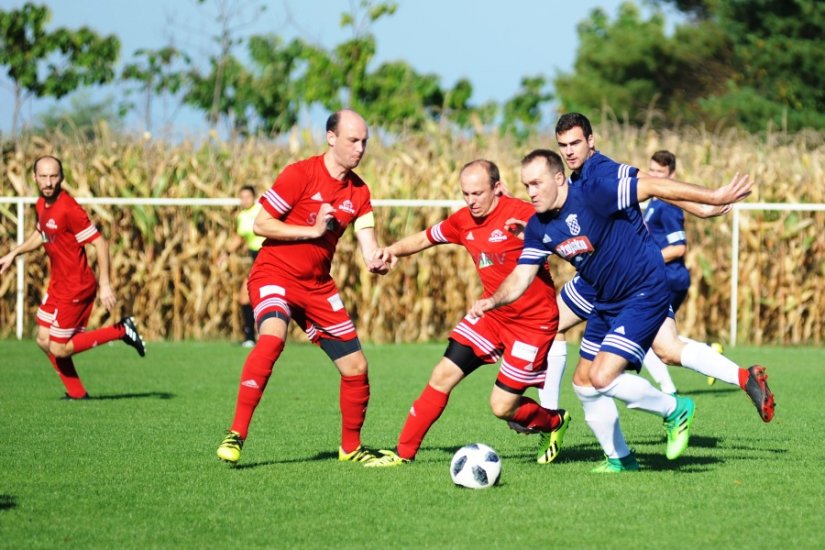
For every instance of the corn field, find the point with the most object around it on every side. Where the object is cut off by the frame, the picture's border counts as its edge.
(165, 259)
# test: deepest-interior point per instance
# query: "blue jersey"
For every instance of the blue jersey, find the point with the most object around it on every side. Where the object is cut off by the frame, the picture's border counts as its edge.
(666, 224)
(596, 232)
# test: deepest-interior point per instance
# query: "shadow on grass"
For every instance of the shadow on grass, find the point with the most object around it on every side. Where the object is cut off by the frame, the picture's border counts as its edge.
(141, 395)
(7, 502)
(326, 455)
(725, 390)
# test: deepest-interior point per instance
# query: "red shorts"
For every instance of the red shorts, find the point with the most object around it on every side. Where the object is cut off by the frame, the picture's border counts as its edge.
(64, 319)
(316, 307)
(522, 350)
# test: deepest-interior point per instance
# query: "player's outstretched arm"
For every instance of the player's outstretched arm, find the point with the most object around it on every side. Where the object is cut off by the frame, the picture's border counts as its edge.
(107, 295)
(668, 189)
(32, 242)
(272, 228)
(702, 211)
(508, 291)
(377, 259)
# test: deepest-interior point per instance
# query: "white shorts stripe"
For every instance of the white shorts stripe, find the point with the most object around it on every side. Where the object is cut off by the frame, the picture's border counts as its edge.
(590, 347)
(273, 302)
(572, 292)
(482, 343)
(526, 377)
(629, 346)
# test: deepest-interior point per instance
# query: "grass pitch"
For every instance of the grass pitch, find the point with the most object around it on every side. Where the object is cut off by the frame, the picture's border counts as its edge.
(136, 467)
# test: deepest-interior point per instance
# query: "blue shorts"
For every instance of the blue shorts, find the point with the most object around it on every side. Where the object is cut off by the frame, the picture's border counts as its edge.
(627, 328)
(579, 297)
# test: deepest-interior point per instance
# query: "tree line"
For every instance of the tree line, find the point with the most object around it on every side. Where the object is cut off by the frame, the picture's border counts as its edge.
(748, 63)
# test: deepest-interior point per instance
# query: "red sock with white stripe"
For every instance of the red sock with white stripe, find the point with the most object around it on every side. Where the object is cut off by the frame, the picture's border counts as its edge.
(64, 366)
(86, 340)
(532, 415)
(353, 398)
(424, 412)
(256, 372)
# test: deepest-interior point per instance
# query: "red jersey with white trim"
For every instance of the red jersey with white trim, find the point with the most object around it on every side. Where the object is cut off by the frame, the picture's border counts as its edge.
(496, 252)
(295, 198)
(66, 229)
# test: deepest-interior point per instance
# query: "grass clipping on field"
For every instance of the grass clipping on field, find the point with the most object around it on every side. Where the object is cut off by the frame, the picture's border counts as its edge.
(164, 259)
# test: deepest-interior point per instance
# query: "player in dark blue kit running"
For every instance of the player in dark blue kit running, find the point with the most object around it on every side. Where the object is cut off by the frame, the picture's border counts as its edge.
(589, 223)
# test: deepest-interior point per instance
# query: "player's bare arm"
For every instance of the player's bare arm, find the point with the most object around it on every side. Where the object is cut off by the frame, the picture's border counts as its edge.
(32, 242)
(669, 189)
(516, 227)
(376, 258)
(273, 228)
(508, 292)
(107, 295)
(673, 252)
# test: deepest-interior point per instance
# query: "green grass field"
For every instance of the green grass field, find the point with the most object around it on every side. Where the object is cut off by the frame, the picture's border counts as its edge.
(135, 466)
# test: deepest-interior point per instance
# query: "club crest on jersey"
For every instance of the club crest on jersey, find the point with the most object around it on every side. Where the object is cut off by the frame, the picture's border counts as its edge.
(51, 224)
(497, 236)
(574, 246)
(573, 224)
(347, 207)
(484, 260)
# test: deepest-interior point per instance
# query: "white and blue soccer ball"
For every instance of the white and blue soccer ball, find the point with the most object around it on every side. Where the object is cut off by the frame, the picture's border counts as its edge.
(475, 466)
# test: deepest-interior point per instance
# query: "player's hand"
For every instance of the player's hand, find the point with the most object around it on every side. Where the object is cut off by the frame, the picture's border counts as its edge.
(738, 188)
(107, 297)
(382, 261)
(516, 227)
(481, 306)
(6, 261)
(325, 215)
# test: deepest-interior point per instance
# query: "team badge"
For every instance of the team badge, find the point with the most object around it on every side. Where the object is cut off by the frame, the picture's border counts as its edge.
(497, 236)
(484, 260)
(573, 224)
(51, 224)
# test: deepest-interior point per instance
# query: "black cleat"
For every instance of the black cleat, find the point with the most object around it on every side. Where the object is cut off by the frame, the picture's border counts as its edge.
(67, 397)
(132, 336)
(759, 392)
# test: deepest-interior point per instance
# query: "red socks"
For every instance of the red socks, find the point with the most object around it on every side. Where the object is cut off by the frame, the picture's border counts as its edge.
(68, 375)
(743, 378)
(85, 340)
(353, 399)
(256, 372)
(531, 415)
(423, 414)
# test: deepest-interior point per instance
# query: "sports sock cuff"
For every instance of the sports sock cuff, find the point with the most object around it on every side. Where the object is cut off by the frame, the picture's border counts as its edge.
(434, 396)
(690, 353)
(268, 347)
(558, 348)
(355, 379)
(584, 392)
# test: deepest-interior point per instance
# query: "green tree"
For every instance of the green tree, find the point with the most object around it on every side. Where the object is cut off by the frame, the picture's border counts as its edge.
(522, 113)
(156, 74)
(235, 99)
(83, 116)
(274, 96)
(41, 63)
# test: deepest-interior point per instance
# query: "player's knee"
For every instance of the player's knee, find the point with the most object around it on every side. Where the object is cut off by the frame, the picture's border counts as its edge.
(600, 379)
(58, 350)
(502, 409)
(669, 352)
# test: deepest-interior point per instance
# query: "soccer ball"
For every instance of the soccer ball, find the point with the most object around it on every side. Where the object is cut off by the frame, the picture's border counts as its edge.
(475, 466)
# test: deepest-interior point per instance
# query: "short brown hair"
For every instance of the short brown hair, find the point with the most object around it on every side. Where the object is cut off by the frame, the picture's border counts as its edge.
(665, 158)
(489, 166)
(552, 158)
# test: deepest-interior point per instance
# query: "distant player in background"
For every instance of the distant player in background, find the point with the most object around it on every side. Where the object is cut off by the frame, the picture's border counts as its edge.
(519, 335)
(577, 146)
(304, 214)
(63, 229)
(591, 225)
(245, 237)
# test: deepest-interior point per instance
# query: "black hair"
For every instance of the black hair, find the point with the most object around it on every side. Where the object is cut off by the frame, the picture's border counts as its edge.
(568, 121)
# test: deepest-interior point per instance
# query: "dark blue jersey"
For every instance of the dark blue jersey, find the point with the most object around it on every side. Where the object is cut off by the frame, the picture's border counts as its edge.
(666, 224)
(596, 232)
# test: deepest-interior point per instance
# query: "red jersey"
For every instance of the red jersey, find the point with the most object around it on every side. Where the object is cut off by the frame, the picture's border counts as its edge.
(66, 229)
(295, 198)
(496, 252)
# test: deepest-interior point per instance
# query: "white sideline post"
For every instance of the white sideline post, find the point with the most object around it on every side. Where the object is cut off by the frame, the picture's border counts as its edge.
(18, 309)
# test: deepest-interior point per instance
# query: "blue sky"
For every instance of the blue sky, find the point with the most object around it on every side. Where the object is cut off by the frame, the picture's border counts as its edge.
(492, 43)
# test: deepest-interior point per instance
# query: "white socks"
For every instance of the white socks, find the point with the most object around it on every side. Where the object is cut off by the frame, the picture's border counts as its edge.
(556, 361)
(638, 393)
(602, 416)
(658, 371)
(703, 359)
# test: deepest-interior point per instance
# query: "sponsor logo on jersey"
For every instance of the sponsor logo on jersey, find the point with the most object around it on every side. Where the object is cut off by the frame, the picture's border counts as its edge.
(51, 224)
(574, 247)
(572, 222)
(347, 207)
(317, 197)
(497, 236)
(470, 237)
(484, 260)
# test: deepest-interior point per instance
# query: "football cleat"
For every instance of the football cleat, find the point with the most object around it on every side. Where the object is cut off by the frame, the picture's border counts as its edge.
(518, 428)
(550, 442)
(67, 397)
(677, 425)
(132, 337)
(759, 392)
(388, 458)
(230, 449)
(617, 465)
(361, 454)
